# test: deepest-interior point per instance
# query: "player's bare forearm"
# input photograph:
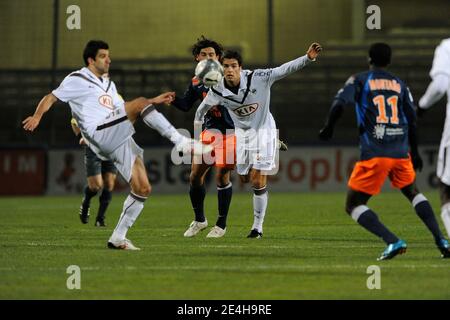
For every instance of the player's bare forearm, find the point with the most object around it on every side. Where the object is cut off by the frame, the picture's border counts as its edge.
(44, 105)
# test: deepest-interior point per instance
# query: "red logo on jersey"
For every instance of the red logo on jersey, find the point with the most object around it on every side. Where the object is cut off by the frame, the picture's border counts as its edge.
(195, 81)
(106, 101)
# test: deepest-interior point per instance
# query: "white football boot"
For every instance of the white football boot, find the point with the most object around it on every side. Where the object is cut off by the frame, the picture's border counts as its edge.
(124, 244)
(195, 228)
(216, 232)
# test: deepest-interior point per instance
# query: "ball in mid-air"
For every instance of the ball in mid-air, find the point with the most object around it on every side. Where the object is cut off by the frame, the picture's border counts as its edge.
(209, 72)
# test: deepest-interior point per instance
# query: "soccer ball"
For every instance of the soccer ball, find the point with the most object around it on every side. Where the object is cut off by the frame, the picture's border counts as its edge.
(209, 71)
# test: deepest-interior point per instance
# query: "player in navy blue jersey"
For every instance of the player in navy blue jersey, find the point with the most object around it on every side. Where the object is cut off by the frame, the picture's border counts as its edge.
(218, 130)
(388, 143)
(218, 123)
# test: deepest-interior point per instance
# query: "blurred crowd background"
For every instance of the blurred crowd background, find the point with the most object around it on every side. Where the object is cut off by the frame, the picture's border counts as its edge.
(150, 49)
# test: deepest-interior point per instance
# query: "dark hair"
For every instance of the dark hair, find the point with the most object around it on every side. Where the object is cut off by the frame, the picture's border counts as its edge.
(91, 49)
(203, 43)
(230, 54)
(380, 54)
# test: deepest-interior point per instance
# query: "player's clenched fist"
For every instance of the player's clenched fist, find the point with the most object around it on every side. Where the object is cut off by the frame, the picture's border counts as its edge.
(31, 123)
(314, 50)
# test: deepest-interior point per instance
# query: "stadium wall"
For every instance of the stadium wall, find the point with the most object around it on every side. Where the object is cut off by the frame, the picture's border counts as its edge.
(302, 169)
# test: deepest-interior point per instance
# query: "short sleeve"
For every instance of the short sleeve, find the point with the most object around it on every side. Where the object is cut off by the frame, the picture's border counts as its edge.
(71, 88)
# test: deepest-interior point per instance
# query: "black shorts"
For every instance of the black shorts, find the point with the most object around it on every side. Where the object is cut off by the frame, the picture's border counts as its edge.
(95, 166)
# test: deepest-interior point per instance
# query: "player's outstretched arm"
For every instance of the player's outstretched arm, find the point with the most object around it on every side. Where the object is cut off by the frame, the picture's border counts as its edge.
(166, 97)
(435, 91)
(314, 51)
(296, 64)
(134, 107)
(336, 111)
(44, 105)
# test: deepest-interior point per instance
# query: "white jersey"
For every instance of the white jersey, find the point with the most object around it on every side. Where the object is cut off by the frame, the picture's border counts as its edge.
(91, 99)
(250, 107)
(255, 128)
(441, 67)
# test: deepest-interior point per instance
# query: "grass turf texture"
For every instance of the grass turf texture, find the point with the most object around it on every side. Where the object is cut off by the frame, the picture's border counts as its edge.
(311, 249)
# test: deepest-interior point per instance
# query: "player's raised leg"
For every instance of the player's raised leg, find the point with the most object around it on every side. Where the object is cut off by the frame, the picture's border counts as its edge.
(144, 108)
(132, 207)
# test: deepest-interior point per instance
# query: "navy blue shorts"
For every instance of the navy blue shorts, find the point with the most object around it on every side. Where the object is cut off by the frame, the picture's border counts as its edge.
(95, 166)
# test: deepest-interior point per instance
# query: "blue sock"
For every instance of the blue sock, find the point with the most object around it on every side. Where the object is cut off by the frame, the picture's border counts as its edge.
(105, 199)
(369, 220)
(197, 195)
(224, 195)
(88, 194)
(426, 214)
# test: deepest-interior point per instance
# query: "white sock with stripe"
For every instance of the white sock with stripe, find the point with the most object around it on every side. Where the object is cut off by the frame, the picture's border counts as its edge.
(260, 199)
(156, 120)
(132, 208)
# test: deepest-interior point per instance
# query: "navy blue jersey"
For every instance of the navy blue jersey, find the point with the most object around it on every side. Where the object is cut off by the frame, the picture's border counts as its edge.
(217, 117)
(384, 109)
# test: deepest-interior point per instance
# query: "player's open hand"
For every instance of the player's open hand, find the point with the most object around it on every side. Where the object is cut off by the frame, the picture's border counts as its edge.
(314, 50)
(326, 133)
(166, 97)
(31, 123)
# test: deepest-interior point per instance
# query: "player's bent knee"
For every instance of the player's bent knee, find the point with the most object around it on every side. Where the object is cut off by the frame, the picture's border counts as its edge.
(244, 179)
(144, 190)
(95, 187)
(223, 180)
(195, 180)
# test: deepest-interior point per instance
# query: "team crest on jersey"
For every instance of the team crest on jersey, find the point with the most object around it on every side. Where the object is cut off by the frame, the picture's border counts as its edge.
(246, 110)
(106, 101)
(379, 131)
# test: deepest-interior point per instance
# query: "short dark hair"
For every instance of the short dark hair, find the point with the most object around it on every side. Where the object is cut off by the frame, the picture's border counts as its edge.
(91, 49)
(231, 54)
(203, 43)
(380, 54)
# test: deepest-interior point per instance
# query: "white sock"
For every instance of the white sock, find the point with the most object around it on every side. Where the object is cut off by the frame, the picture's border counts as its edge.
(260, 199)
(158, 122)
(132, 208)
(445, 215)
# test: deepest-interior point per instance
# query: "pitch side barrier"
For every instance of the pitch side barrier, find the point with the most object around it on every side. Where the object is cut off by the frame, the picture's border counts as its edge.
(300, 169)
(23, 171)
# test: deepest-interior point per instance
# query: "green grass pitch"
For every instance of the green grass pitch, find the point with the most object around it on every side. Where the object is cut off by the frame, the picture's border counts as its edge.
(311, 249)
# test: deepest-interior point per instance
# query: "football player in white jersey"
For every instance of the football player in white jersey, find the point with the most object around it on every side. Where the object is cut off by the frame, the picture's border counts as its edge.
(439, 86)
(246, 94)
(106, 124)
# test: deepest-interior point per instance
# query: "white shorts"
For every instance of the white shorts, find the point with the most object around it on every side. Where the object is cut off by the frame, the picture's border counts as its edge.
(257, 149)
(125, 156)
(114, 130)
(113, 141)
